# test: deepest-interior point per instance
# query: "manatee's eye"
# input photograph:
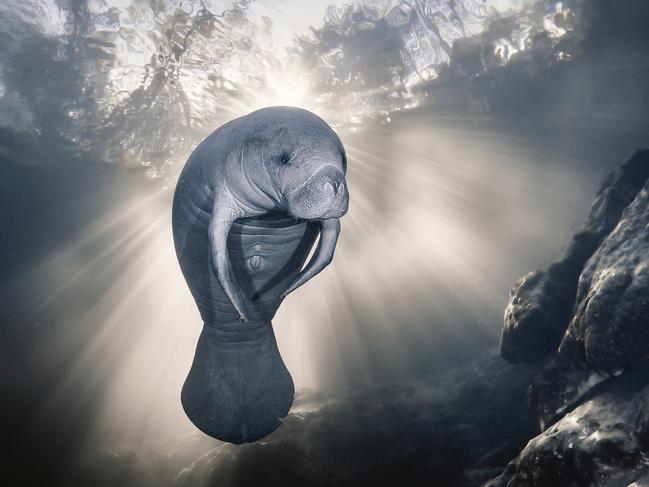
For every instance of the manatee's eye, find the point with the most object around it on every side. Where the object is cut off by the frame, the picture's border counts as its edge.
(283, 159)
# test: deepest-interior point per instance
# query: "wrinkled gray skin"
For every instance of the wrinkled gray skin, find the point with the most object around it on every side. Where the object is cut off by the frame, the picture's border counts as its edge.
(248, 207)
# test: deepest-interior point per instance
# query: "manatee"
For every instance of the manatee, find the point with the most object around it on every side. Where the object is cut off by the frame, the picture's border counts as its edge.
(250, 203)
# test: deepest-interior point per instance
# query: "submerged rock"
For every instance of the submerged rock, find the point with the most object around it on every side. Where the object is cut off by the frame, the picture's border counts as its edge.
(588, 318)
(609, 330)
(603, 442)
(541, 303)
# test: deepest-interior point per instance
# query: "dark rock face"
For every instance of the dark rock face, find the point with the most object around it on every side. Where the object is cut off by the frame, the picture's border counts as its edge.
(612, 314)
(588, 317)
(541, 303)
(609, 331)
(603, 442)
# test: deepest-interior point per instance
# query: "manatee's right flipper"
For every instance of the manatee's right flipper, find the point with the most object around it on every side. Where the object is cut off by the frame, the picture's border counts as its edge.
(324, 253)
(223, 215)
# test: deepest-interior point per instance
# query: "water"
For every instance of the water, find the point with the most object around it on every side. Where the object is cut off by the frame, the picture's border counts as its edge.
(144, 82)
(476, 136)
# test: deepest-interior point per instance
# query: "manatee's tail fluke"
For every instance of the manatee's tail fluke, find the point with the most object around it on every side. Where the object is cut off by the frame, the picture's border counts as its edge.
(329, 231)
(238, 389)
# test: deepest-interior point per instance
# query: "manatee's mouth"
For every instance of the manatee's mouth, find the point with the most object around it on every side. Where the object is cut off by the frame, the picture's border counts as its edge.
(321, 197)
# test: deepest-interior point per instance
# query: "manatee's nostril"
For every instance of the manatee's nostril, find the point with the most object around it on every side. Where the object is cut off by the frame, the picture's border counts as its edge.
(328, 188)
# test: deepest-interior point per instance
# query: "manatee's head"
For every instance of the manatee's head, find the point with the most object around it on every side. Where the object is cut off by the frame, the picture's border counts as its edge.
(308, 164)
(314, 186)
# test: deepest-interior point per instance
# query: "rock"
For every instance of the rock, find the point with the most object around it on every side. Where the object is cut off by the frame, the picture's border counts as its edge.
(612, 314)
(592, 395)
(609, 330)
(603, 442)
(532, 325)
(541, 303)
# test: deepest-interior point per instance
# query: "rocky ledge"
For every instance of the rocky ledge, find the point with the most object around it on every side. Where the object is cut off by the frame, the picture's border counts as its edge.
(586, 319)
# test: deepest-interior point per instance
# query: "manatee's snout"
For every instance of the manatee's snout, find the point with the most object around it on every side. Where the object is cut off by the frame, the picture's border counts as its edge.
(323, 195)
(334, 194)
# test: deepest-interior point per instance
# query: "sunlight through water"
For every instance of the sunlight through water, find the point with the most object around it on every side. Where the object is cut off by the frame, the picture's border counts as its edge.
(427, 251)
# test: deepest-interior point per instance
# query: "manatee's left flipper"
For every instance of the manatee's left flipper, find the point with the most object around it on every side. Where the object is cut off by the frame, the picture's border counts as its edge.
(329, 231)
(223, 215)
